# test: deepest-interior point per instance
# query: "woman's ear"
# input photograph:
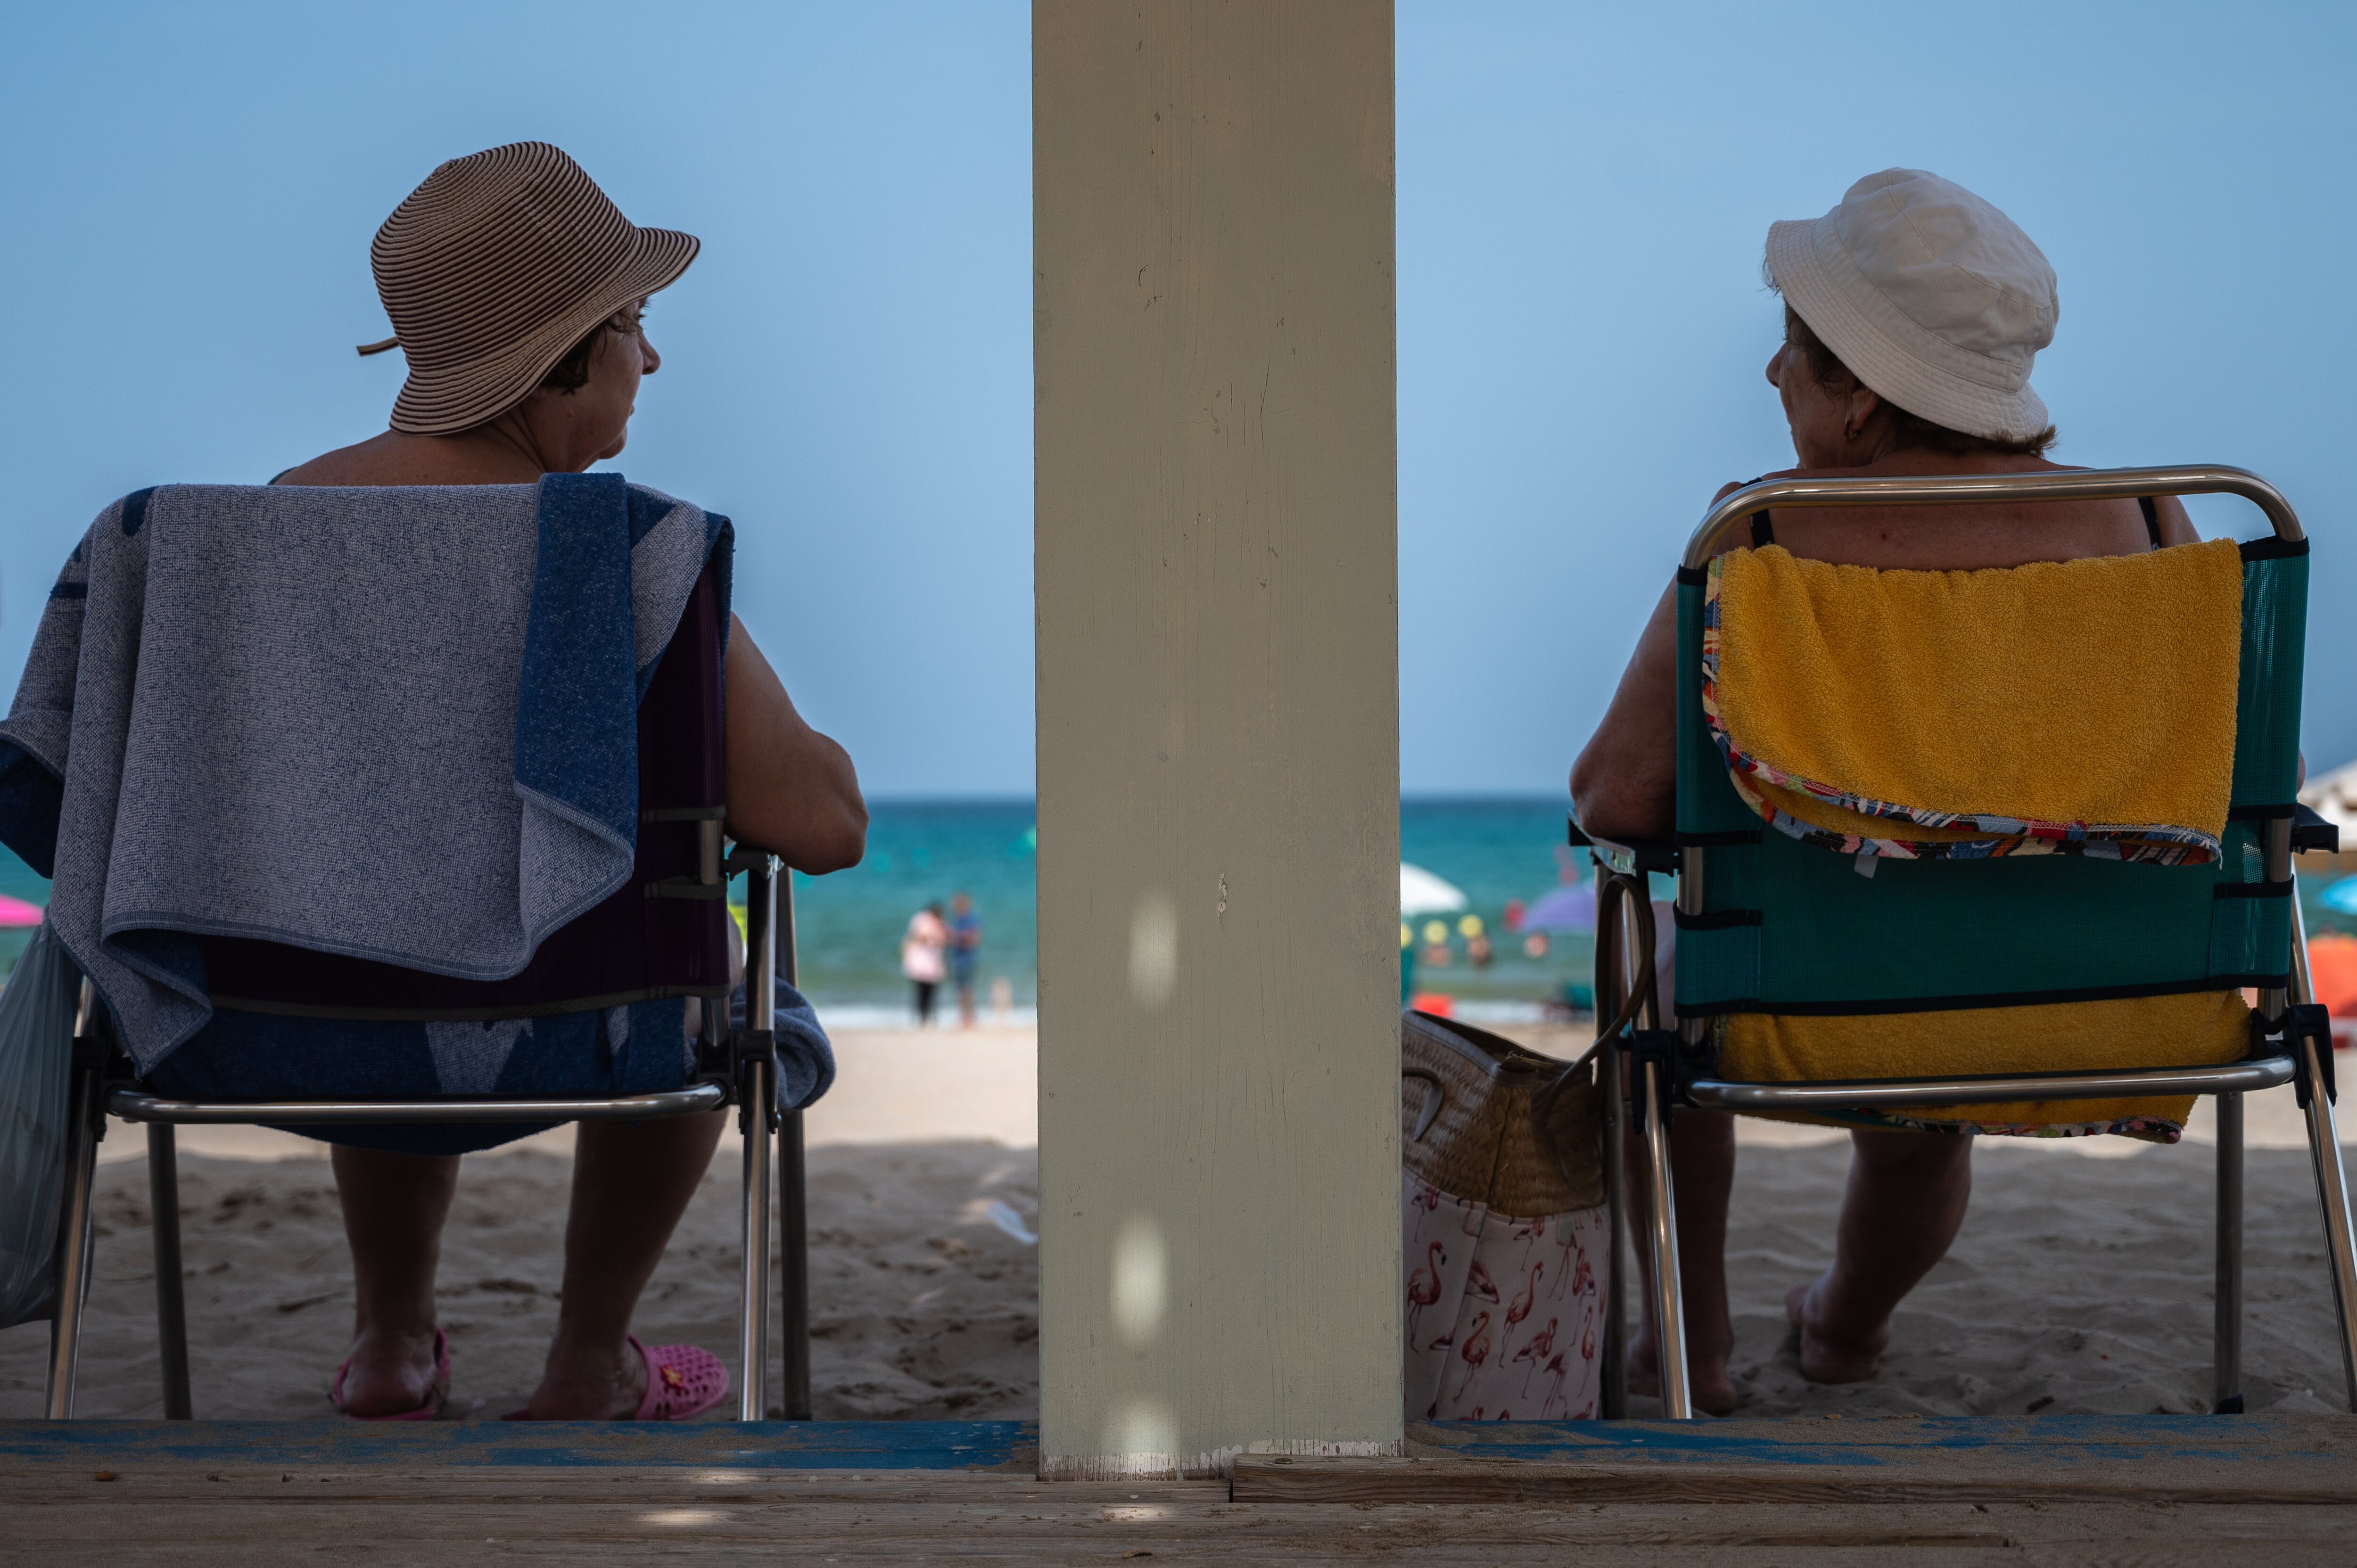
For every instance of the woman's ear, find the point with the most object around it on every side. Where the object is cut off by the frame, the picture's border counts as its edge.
(1859, 409)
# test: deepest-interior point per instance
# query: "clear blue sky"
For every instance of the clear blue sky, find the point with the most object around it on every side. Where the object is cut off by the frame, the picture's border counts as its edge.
(1583, 195)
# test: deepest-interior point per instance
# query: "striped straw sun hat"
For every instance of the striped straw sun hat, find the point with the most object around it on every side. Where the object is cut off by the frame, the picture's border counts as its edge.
(494, 268)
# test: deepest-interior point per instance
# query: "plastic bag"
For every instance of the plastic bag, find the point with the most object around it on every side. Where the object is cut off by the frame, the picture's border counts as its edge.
(36, 1019)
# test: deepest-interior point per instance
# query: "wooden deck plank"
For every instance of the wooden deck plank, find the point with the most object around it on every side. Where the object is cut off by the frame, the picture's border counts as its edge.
(527, 1484)
(1010, 1446)
(884, 1529)
(1277, 1478)
(1832, 1440)
(2290, 1461)
(2055, 1492)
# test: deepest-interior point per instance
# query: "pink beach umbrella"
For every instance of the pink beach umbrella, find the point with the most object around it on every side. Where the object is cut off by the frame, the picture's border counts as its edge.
(1569, 908)
(15, 915)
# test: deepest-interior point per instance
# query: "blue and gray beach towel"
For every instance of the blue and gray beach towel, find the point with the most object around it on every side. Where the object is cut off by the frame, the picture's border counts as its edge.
(396, 723)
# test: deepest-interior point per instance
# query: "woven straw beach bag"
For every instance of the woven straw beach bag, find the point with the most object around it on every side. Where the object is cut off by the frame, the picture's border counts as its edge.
(1505, 1248)
(1484, 1118)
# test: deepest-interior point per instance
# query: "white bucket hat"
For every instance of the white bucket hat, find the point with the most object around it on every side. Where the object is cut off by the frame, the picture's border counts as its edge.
(1933, 297)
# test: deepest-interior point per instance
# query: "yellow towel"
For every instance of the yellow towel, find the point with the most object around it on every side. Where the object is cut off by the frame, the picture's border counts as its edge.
(2199, 1029)
(2079, 706)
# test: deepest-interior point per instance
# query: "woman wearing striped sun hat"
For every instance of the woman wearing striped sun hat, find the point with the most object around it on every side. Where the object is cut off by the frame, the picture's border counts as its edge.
(516, 288)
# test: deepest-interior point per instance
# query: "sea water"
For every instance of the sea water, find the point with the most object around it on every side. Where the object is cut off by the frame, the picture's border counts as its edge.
(849, 924)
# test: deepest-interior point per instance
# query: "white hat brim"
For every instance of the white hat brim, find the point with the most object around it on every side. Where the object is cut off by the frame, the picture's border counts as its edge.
(1929, 378)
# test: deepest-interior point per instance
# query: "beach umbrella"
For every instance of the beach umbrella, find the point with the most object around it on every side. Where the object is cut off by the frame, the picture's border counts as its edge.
(1567, 909)
(15, 915)
(1422, 893)
(2333, 796)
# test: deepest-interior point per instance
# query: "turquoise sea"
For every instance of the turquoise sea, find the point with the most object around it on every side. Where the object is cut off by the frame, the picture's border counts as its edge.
(850, 924)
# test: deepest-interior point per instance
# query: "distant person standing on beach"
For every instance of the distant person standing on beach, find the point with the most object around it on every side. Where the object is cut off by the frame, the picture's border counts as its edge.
(920, 958)
(965, 949)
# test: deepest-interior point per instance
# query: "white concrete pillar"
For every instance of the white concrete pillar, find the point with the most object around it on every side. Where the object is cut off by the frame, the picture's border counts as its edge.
(1219, 742)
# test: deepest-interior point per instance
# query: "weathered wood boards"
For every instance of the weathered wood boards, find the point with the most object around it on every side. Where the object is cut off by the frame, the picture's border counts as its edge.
(1796, 1492)
(587, 1446)
(2209, 1460)
(246, 1518)
(1218, 718)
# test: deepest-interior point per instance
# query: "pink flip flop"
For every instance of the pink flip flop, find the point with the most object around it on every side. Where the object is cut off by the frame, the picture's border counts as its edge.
(682, 1380)
(434, 1396)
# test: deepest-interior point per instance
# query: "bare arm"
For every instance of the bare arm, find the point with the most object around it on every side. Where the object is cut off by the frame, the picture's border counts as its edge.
(791, 789)
(1625, 784)
(2175, 527)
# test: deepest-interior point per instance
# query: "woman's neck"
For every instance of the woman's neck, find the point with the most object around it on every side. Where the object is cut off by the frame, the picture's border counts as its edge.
(1926, 460)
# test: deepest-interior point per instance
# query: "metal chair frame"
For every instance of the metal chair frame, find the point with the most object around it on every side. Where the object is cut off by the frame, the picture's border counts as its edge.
(739, 1069)
(1642, 1080)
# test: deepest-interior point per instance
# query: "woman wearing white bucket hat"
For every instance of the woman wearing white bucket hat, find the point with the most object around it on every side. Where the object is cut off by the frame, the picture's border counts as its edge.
(1914, 312)
(516, 289)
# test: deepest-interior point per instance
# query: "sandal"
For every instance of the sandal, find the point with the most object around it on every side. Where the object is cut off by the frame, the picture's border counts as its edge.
(682, 1380)
(435, 1396)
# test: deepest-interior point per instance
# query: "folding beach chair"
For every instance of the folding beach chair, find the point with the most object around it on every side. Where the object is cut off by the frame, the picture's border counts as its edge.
(1768, 924)
(735, 1066)
(658, 935)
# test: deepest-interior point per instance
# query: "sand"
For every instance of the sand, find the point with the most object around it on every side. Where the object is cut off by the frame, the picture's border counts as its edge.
(922, 1306)
(2080, 1283)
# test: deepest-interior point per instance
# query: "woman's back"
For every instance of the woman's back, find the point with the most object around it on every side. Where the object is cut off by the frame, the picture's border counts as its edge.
(1968, 537)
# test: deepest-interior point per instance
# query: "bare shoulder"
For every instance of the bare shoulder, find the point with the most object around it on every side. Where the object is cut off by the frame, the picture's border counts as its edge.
(395, 457)
(1961, 536)
(1732, 486)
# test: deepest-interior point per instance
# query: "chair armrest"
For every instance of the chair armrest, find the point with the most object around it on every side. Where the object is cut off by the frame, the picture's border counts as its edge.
(1635, 855)
(2227, 1078)
(133, 1106)
(2311, 831)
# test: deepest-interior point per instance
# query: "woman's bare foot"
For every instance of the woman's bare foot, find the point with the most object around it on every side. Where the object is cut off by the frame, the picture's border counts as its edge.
(389, 1373)
(588, 1386)
(1712, 1390)
(1828, 1357)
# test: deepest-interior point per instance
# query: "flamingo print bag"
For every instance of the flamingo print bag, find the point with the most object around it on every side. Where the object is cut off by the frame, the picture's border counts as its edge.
(1503, 1217)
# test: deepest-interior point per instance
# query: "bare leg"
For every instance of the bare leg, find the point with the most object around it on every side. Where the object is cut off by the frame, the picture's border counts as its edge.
(393, 1208)
(1702, 1165)
(1905, 1202)
(631, 1182)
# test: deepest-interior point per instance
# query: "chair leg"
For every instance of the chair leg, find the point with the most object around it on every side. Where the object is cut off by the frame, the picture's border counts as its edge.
(2226, 1339)
(171, 1302)
(1612, 1370)
(1661, 1241)
(759, 1096)
(2332, 1196)
(793, 1229)
(75, 1236)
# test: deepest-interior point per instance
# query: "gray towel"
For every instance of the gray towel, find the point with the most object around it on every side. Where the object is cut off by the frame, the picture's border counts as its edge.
(392, 723)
